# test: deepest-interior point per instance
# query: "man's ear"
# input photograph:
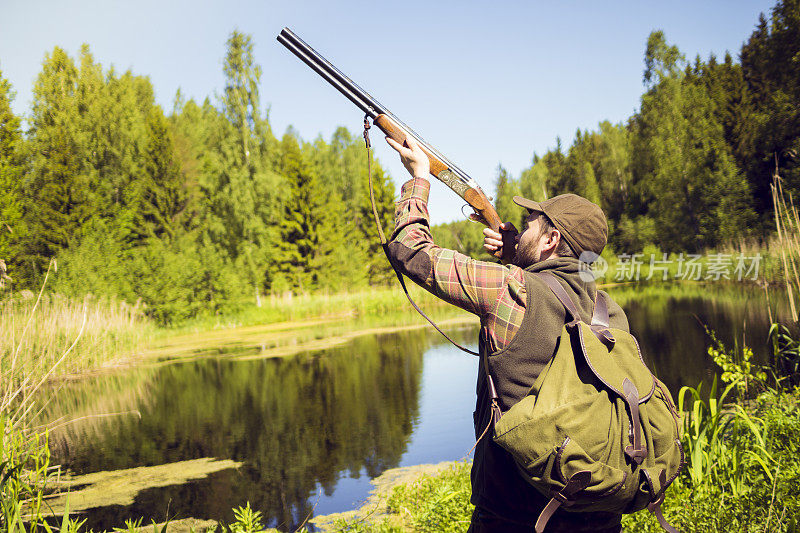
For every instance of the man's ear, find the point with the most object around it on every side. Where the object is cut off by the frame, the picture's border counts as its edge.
(553, 238)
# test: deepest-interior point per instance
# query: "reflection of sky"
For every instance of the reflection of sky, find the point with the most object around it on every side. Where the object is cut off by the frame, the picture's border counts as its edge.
(442, 431)
(447, 398)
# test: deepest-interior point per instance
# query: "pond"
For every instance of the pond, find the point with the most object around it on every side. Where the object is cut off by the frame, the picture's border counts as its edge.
(311, 430)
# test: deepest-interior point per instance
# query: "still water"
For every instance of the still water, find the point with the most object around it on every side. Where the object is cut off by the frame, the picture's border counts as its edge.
(313, 429)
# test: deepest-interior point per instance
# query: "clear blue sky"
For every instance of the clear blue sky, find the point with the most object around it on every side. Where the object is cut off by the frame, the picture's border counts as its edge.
(486, 83)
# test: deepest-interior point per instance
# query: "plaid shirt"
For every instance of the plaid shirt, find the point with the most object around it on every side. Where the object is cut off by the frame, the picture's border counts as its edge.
(494, 292)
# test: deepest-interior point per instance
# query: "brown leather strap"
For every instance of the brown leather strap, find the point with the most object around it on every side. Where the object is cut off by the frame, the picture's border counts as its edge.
(493, 397)
(550, 280)
(637, 452)
(599, 324)
(656, 510)
(658, 497)
(577, 482)
(600, 315)
(600, 321)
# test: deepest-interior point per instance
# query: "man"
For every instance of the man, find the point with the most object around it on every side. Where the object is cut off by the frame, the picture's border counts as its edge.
(521, 321)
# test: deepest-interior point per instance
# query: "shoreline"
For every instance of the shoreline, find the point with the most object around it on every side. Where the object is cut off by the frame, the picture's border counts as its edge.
(184, 347)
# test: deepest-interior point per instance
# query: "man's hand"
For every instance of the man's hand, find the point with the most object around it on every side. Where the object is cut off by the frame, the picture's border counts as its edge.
(412, 157)
(493, 241)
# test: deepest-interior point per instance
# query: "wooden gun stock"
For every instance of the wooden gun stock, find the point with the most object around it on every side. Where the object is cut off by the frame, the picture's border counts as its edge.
(472, 194)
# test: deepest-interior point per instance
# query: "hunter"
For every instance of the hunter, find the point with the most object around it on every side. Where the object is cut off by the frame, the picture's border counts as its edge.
(521, 321)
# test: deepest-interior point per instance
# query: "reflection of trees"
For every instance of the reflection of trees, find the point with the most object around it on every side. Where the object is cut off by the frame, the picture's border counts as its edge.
(669, 328)
(294, 422)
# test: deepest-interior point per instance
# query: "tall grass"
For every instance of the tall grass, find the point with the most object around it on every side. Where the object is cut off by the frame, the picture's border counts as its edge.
(722, 441)
(24, 452)
(34, 334)
(787, 224)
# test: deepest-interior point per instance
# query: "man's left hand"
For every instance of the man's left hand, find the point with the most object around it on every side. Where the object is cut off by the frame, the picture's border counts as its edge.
(412, 156)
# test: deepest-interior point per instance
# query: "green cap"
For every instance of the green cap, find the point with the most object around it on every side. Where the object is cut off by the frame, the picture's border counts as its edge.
(581, 223)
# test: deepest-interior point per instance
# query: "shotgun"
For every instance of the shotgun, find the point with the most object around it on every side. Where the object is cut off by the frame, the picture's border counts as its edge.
(442, 169)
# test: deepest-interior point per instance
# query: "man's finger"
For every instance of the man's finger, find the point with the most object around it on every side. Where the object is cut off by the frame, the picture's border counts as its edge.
(478, 218)
(492, 234)
(509, 226)
(396, 145)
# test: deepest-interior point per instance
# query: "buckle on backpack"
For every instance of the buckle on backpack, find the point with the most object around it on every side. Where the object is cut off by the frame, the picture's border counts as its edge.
(577, 482)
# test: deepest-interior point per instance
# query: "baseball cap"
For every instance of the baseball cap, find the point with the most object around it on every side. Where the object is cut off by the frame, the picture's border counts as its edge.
(581, 223)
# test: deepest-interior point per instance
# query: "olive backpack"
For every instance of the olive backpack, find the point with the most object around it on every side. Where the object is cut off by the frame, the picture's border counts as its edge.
(597, 431)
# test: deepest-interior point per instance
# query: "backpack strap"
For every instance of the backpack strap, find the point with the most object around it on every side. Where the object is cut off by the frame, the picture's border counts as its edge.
(550, 280)
(600, 321)
(599, 325)
(655, 505)
(579, 481)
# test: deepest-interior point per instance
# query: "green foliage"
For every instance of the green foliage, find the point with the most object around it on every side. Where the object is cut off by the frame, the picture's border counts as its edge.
(12, 169)
(436, 504)
(736, 366)
(506, 189)
(362, 526)
(247, 520)
(691, 166)
(464, 236)
(723, 443)
(785, 350)
(194, 213)
(767, 502)
(308, 231)
(24, 462)
(689, 171)
(202, 210)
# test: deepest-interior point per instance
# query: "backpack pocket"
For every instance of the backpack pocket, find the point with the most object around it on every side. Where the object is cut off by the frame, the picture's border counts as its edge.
(550, 447)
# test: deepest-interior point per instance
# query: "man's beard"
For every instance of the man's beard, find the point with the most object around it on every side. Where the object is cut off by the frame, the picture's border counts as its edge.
(527, 256)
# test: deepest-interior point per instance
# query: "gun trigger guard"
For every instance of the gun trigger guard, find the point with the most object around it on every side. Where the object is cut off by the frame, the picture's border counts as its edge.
(467, 216)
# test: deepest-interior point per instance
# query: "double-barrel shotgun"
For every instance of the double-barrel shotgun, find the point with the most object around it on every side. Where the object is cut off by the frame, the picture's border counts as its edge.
(449, 174)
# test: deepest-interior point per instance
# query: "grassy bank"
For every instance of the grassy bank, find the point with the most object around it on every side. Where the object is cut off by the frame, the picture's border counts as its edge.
(370, 302)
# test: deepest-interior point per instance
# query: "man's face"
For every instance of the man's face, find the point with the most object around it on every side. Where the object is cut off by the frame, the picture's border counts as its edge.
(530, 242)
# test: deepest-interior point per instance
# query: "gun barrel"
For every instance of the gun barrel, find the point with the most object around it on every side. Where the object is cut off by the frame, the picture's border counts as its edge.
(350, 91)
(361, 98)
(289, 37)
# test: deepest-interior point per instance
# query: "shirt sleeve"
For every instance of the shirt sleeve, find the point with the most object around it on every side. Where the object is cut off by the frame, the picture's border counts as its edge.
(456, 278)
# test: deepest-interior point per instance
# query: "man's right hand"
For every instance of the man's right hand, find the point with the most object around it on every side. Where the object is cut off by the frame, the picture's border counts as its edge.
(493, 240)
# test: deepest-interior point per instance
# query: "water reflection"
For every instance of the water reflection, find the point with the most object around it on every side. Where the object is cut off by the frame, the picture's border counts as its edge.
(669, 321)
(296, 423)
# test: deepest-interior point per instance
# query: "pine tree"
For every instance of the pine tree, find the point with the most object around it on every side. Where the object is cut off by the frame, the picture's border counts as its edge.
(243, 188)
(692, 166)
(308, 233)
(770, 131)
(12, 170)
(591, 190)
(534, 181)
(59, 185)
(613, 170)
(164, 195)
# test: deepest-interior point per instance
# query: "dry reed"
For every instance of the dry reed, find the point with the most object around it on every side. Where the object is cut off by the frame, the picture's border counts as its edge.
(36, 336)
(787, 223)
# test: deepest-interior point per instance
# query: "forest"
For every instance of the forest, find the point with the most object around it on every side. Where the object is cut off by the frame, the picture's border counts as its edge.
(202, 208)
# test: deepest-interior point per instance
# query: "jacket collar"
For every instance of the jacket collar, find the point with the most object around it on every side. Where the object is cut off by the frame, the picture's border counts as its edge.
(569, 269)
